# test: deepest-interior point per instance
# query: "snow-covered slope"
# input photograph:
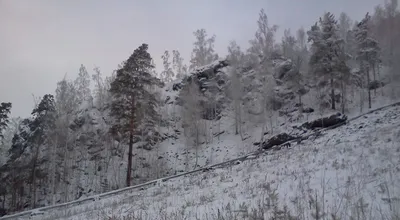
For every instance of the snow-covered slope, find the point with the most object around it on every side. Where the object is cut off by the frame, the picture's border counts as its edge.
(351, 172)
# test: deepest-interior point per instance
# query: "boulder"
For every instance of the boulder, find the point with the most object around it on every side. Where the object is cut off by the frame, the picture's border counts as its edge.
(335, 119)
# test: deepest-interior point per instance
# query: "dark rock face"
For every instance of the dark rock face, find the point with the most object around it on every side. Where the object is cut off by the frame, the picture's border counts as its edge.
(335, 119)
(211, 82)
(277, 140)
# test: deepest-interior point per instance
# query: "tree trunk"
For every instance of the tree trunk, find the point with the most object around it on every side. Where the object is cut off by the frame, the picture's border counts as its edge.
(300, 100)
(236, 118)
(33, 183)
(343, 101)
(197, 145)
(3, 203)
(374, 72)
(333, 95)
(129, 170)
(369, 91)
(53, 173)
(65, 168)
(240, 121)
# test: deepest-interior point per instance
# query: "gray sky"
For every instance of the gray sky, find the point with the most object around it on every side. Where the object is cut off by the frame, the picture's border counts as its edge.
(42, 40)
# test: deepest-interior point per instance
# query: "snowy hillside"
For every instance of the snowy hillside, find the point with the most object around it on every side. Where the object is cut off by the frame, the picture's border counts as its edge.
(96, 146)
(351, 172)
(95, 163)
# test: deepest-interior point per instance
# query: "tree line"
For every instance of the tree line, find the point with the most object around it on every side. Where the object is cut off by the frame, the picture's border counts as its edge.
(74, 141)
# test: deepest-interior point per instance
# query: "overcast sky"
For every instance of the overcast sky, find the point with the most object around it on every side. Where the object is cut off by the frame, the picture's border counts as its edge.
(42, 40)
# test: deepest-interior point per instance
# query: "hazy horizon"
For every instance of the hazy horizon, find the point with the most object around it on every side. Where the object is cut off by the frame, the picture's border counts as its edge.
(41, 41)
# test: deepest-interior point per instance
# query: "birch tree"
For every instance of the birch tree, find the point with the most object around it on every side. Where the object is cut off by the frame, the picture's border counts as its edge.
(191, 116)
(235, 58)
(203, 52)
(167, 74)
(368, 51)
(177, 63)
(82, 85)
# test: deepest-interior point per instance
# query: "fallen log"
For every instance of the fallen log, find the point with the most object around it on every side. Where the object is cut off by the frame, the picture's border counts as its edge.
(277, 140)
(335, 119)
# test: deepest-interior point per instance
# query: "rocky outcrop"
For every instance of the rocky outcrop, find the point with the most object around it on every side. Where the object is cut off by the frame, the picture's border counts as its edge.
(203, 75)
(212, 82)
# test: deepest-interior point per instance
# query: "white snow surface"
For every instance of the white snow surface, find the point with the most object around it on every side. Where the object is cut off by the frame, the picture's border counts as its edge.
(350, 171)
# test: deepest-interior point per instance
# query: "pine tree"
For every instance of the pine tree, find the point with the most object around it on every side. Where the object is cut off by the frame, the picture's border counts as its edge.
(18, 173)
(41, 127)
(327, 61)
(203, 52)
(367, 51)
(130, 93)
(5, 108)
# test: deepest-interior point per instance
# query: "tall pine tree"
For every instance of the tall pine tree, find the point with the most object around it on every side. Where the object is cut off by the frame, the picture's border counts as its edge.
(42, 128)
(131, 93)
(327, 61)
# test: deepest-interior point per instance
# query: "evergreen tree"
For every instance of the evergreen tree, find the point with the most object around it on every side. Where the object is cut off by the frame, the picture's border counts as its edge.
(327, 61)
(130, 93)
(42, 128)
(367, 51)
(5, 108)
